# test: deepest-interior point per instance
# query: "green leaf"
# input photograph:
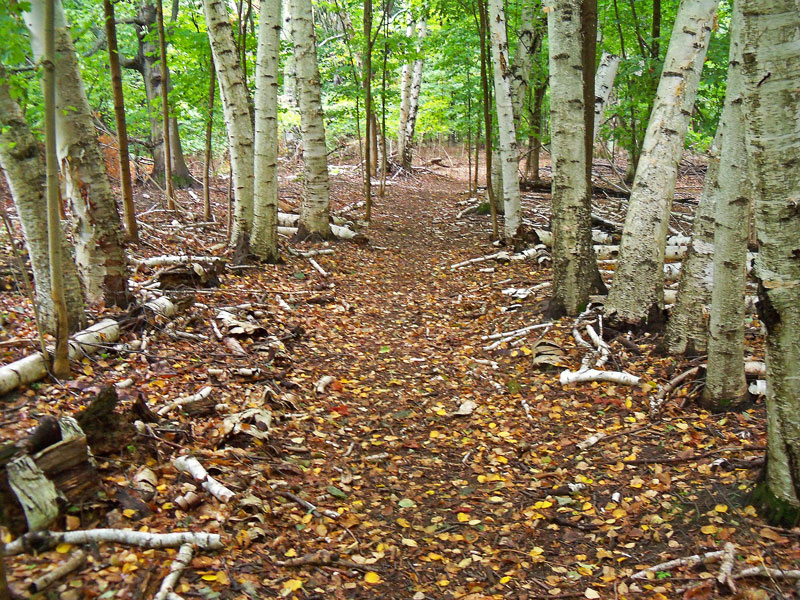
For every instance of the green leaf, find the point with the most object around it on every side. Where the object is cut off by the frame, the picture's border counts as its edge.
(407, 503)
(334, 491)
(384, 350)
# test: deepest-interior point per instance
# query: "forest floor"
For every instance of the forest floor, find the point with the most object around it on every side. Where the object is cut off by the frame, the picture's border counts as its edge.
(500, 501)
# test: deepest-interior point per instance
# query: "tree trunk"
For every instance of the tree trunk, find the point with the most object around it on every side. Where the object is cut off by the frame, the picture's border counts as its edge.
(603, 85)
(264, 240)
(128, 210)
(413, 99)
(405, 94)
(505, 122)
(207, 155)
(96, 224)
(771, 68)
(369, 125)
(726, 388)
(687, 328)
(147, 63)
(289, 96)
(529, 39)
(60, 364)
(236, 110)
(575, 274)
(497, 183)
(162, 64)
(637, 296)
(535, 140)
(24, 168)
(315, 208)
(487, 116)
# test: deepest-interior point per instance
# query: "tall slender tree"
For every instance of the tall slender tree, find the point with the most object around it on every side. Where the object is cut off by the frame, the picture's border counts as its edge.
(96, 223)
(315, 209)
(771, 68)
(637, 296)
(264, 239)
(413, 99)
(235, 106)
(162, 53)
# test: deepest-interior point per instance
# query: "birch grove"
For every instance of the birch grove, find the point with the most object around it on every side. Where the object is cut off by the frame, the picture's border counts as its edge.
(637, 295)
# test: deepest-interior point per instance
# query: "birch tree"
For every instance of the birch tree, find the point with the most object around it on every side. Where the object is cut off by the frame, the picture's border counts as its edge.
(96, 224)
(264, 239)
(505, 122)
(575, 274)
(413, 97)
(529, 39)
(637, 295)
(405, 91)
(236, 111)
(315, 208)
(771, 69)
(24, 169)
(726, 387)
(603, 86)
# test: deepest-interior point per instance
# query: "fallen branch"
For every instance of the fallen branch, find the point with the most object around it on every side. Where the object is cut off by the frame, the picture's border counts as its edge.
(201, 395)
(73, 564)
(34, 367)
(677, 460)
(688, 561)
(661, 397)
(40, 540)
(179, 563)
(585, 375)
(323, 383)
(171, 260)
(308, 506)
(192, 467)
(310, 253)
(726, 567)
(768, 572)
(319, 269)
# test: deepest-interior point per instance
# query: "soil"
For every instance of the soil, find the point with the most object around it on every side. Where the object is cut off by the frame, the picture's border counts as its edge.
(497, 502)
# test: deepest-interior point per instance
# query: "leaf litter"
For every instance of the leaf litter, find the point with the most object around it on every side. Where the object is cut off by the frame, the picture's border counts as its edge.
(426, 466)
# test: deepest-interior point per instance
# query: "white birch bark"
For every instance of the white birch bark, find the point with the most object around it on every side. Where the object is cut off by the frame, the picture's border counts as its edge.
(264, 238)
(771, 68)
(687, 328)
(637, 296)
(413, 97)
(505, 121)
(289, 95)
(22, 162)
(575, 274)
(315, 208)
(726, 387)
(96, 224)
(603, 85)
(233, 92)
(528, 41)
(405, 94)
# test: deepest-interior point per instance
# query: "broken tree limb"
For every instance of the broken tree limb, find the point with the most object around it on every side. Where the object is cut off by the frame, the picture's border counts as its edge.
(762, 571)
(34, 367)
(319, 269)
(39, 540)
(179, 564)
(308, 506)
(74, 563)
(310, 253)
(726, 567)
(201, 395)
(585, 375)
(323, 383)
(171, 260)
(661, 397)
(192, 467)
(338, 231)
(688, 561)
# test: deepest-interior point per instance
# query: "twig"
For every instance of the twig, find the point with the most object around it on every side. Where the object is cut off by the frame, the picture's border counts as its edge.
(687, 561)
(308, 506)
(661, 397)
(73, 564)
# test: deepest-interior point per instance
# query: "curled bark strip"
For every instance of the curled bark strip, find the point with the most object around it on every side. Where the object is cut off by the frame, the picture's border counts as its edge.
(145, 539)
(201, 395)
(726, 567)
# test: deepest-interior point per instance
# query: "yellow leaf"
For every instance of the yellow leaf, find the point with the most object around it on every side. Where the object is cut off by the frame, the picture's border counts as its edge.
(63, 548)
(590, 593)
(409, 542)
(434, 434)
(292, 585)
(167, 505)
(129, 512)
(372, 577)
(709, 529)
(87, 370)
(403, 523)
(462, 517)
(222, 577)
(210, 577)
(291, 553)
(443, 582)
(721, 508)
(505, 579)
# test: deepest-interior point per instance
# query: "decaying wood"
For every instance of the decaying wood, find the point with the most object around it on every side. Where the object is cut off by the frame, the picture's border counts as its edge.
(35, 493)
(661, 397)
(585, 375)
(724, 576)
(34, 367)
(308, 506)
(179, 564)
(41, 540)
(201, 395)
(688, 561)
(192, 467)
(74, 563)
(762, 571)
